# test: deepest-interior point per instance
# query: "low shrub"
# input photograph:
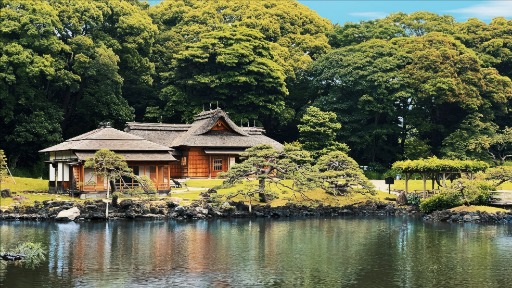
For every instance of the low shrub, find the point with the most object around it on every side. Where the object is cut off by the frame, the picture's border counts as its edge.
(442, 201)
(462, 191)
(413, 199)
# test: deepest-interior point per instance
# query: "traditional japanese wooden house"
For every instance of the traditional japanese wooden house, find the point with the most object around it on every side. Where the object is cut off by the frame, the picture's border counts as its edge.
(66, 161)
(208, 146)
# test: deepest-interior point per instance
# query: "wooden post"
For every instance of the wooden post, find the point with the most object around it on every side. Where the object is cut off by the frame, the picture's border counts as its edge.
(169, 176)
(210, 166)
(406, 183)
(444, 179)
(82, 178)
(157, 184)
(424, 184)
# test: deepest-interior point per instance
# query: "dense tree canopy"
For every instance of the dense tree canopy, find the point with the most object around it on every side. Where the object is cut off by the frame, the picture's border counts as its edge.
(386, 92)
(407, 86)
(241, 54)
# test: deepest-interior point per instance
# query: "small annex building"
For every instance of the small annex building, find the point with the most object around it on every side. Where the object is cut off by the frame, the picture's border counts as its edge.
(206, 147)
(67, 159)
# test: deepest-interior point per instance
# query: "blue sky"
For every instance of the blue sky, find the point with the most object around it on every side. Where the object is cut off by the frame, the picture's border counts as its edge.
(341, 11)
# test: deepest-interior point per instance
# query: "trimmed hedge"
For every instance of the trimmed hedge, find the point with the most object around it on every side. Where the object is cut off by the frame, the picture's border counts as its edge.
(434, 164)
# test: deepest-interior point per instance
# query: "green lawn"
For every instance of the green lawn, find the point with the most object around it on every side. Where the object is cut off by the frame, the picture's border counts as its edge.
(25, 184)
(28, 199)
(285, 195)
(203, 183)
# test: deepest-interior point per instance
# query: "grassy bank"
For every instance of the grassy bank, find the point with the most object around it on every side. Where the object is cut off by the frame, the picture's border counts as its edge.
(19, 184)
(192, 190)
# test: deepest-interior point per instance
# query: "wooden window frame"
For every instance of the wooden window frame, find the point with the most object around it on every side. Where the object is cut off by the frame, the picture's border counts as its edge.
(217, 164)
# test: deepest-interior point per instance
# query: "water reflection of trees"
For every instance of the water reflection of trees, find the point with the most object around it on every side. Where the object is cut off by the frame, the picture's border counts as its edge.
(240, 252)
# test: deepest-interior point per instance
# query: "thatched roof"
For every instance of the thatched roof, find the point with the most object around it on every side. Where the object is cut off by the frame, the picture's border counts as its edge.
(129, 145)
(132, 156)
(200, 133)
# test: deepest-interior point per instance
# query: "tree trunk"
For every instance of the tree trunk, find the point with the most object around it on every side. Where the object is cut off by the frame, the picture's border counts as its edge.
(261, 191)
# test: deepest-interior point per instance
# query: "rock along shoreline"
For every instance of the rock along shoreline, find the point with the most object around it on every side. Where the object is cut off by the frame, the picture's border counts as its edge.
(134, 209)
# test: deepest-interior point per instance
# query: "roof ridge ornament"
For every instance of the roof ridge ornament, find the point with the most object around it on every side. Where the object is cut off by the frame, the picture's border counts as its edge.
(105, 124)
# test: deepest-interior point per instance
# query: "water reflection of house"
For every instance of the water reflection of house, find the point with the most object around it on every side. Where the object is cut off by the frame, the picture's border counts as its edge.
(203, 149)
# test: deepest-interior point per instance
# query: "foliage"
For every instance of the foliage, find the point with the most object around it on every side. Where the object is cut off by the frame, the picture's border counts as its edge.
(225, 60)
(473, 192)
(318, 132)
(411, 69)
(413, 199)
(460, 191)
(146, 184)
(499, 175)
(108, 164)
(34, 254)
(342, 174)
(266, 164)
(252, 193)
(434, 164)
(479, 140)
(415, 148)
(441, 201)
(470, 140)
(500, 146)
(243, 54)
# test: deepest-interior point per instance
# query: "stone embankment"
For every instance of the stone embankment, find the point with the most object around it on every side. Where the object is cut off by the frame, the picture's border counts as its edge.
(131, 209)
(477, 217)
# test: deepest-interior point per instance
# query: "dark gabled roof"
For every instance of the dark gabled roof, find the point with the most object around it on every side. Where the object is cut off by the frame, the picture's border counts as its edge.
(112, 139)
(204, 121)
(163, 134)
(200, 133)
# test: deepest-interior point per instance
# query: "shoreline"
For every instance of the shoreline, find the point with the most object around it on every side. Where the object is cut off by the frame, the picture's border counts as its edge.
(134, 209)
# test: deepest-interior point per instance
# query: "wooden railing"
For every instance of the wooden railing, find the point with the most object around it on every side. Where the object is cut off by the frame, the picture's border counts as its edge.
(501, 197)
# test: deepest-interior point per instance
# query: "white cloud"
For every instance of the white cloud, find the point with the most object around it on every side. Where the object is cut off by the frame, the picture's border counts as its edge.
(487, 10)
(370, 15)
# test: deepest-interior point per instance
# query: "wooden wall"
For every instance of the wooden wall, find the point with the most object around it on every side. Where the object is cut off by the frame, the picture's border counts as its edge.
(176, 169)
(197, 163)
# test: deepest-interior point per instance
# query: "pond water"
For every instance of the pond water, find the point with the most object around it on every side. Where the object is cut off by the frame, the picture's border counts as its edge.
(313, 252)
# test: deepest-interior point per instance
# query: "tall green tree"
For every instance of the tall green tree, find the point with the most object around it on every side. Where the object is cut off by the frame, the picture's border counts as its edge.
(290, 36)
(364, 86)
(318, 131)
(233, 65)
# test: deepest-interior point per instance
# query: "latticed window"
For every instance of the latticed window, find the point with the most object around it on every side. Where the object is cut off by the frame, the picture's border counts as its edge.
(217, 164)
